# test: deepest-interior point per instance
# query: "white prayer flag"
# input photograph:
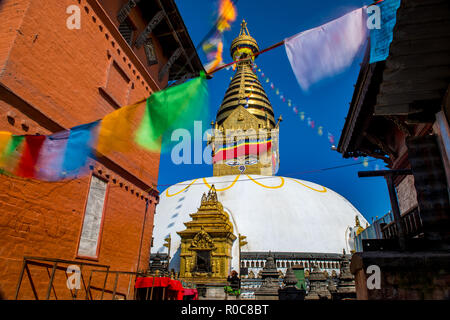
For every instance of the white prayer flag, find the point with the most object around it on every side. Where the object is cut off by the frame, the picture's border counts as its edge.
(327, 50)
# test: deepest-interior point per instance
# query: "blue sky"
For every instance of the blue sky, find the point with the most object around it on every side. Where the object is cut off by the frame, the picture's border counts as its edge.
(327, 103)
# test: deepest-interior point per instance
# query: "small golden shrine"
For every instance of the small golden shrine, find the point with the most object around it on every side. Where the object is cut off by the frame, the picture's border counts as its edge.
(206, 242)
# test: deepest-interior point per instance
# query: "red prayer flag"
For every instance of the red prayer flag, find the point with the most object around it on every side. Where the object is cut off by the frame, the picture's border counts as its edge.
(30, 155)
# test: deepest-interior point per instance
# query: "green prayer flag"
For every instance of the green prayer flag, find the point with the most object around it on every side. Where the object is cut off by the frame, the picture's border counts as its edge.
(11, 154)
(170, 109)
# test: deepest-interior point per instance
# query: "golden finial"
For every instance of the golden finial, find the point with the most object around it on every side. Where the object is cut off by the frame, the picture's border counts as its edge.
(244, 30)
(244, 43)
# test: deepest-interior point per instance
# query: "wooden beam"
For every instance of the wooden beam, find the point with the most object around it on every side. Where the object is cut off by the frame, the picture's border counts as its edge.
(388, 110)
(400, 97)
(165, 69)
(401, 125)
(157, 18)
(417, 74)
(423, 14)
(382, 145)
(412, 86)
(126, 9)
(177, 39)
(419, 46)
(417, 60)
(170, 33)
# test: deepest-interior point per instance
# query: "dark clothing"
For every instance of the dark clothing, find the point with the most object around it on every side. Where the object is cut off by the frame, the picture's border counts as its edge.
(235, 282)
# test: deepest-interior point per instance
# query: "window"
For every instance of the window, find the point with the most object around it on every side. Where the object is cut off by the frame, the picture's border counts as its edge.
(118, 85)
(203, 261)
(126, 29)
(150, 52)
(93, 217)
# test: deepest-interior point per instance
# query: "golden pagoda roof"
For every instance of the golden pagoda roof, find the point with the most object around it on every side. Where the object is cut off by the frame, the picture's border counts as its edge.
(245, 89)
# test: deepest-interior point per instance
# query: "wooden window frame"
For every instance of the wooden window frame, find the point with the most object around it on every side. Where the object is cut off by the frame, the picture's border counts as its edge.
(100, 234)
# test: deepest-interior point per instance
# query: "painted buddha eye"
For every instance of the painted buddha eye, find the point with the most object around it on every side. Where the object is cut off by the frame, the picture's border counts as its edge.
(232, 163)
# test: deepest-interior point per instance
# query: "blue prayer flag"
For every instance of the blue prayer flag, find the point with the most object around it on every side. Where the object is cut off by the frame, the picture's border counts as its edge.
(79, 148)
(380, 39)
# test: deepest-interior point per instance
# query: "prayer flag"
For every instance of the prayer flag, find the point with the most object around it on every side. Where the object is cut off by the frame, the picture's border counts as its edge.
(11, 154)
(380, 39)
(5, 138)
(320, 130)
(330, 138)
(116, 129)
(80, 145)
(227, 14)
(170, 109)
(30, 154)
(49, 164)
(325, 51)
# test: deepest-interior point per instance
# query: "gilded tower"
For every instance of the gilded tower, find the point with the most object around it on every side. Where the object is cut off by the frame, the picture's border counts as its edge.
(245, 133)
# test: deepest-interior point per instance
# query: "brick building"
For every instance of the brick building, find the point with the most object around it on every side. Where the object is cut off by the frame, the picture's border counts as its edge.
(54, 76)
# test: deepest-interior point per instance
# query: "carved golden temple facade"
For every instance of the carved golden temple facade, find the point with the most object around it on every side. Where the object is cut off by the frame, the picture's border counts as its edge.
(206, 243)
(245, 116)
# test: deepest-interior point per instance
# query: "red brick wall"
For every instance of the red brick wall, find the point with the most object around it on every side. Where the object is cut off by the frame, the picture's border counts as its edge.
(52, 78)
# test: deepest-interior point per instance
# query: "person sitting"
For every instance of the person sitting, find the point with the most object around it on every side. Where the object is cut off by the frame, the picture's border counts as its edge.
(234, 287)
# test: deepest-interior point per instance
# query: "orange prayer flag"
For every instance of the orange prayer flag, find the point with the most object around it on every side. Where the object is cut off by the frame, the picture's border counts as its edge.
(5, 137)
(116, 129)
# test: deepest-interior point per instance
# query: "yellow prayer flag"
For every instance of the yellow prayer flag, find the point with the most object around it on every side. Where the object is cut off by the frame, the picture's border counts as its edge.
(116, 129)
(5, 137)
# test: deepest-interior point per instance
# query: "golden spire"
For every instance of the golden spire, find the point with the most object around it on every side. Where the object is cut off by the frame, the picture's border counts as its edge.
(244, 30)
(245, 89)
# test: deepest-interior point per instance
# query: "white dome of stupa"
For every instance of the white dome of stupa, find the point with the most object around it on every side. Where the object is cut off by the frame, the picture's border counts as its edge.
(276, 214)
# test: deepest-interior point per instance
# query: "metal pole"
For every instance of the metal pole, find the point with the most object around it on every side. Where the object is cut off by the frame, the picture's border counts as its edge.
(31, 282)
(81, 277)
(104, 284)
(88, 290)
(49, 289)
(396, 211)
(24, 263)
(53, 287)
(151, 291)
(129, 286)
(115, 286)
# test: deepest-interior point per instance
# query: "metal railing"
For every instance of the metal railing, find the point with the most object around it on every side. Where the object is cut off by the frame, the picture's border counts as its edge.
(54, 264)
(93, 285)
